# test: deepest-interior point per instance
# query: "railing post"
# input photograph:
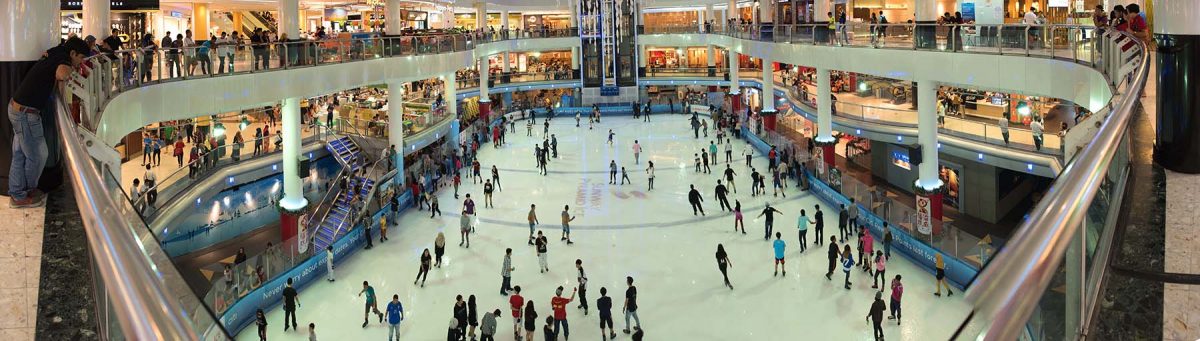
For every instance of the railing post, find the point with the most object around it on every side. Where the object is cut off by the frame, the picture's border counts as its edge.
(1026, 38)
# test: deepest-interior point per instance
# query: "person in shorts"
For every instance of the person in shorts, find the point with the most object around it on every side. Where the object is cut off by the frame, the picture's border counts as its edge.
(370, 303)
(779, 247)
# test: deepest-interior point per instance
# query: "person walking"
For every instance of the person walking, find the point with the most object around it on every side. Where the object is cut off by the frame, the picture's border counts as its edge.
(724, 264)
(439, 249)
(582, 288)
(819, 217)
(852, 213)
(487, 329)
(844, 231)
(604, 305)
(291, 300)
(506, 273)
(612, 172)
(559, 305)
(541, 252)
(423, 271)
(637, 152)
(880, 270)
(728, 152)
(695, 199)
(631, 306)
(395, 314)
(721, 192)
(875, 315)
(737, 217)
(897, 293)
(940, 275)
(868, 250)
(749, 153)
(887, 241)
(847, 263)
(567, 218)
(515, 303)
(1004, 128)
(370, 303)
(802, 226)
(533, 221)
(833, 253)
(779, 247)
(650, 175)
(770, 221)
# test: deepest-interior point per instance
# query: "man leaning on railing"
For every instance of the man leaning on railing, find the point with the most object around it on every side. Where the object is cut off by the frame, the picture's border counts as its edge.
(33, 97)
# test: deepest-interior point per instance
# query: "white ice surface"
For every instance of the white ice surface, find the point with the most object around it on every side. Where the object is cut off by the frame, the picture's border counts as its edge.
(619, 231)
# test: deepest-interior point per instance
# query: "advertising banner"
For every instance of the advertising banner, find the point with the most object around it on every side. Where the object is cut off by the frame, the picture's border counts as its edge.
(924, 215)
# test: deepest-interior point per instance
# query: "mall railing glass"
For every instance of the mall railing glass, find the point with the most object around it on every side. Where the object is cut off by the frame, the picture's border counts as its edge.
(1013, 296)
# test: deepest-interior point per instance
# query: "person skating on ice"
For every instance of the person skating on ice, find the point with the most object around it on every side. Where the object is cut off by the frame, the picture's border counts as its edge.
(472, 317)
(779, 245)
(625, 177)
(630, 307)
(329, 264)
(464, 230)
(833, 254)
(554, 145)
(712, 151)
(729, 174)
(488, 189)
(847, 263)
(370, 303)
(530, 320)
(567, 218)
(423, 270)
(820, 225)
(610, 137)
(487, 328)
(802, 226)
(723, 264)
(697, 157)
(542, 248)
(650, 175)
(582, 279)
(604, 306)
(434, 209)
(737, 217)
(533, 221)
(722, 193)
(728, 152)
(516, 303)
(897, 293)
(868, 250)
(577, 116)
(394, 313)
(612, 172)
(749, 153)
(769, 225)
(880, 270)
(637, 152)
(439, 249)
(695, 199)
(460, 314)
(875, 315)
(506, 270)
(755, 177)
(496, 178)
(558, 304)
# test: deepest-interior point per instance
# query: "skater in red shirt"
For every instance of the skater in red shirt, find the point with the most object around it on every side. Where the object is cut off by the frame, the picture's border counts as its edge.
(516, 302)
(559, 304)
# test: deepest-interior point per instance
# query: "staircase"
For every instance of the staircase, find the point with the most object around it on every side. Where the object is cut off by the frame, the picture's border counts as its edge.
(339, 219)
(346, 151)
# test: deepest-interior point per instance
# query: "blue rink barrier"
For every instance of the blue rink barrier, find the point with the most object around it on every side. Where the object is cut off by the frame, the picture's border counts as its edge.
(240, 314)
(958, 273)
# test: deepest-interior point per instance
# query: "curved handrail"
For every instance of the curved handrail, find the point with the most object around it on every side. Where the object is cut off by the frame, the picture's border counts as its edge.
(1006, 292)
(146, 310)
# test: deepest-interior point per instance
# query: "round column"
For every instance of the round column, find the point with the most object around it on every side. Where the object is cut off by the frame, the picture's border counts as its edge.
(201, 21)
(711, 56)
(1177, 33)
(643, 60)
(396, 128)
(928, 185)
(392, 21)
(731, 11)
(26, 29)
(481, 16)
(289, 18)
(768, 95)
(735, 91)
(293, 193)
(485, 102)
(96, 18)
(825, 138)
(925, 33)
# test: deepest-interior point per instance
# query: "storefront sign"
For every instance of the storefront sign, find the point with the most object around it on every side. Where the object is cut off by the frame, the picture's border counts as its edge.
(176, 14)
(122, 5)
(924, 215)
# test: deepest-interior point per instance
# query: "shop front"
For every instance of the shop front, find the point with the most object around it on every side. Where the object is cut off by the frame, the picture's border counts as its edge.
(131, 17)
(546, 21)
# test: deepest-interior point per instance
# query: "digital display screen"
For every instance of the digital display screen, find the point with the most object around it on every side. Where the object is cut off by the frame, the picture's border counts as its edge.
(900, 159)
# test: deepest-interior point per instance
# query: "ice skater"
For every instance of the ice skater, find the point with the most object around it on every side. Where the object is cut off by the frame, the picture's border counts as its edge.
(625, 177)
(749, 153)
(464, 230)
(779, 245)
(612, 172)
(724, 264)
(439, 249)
(567, 218)
(558, 304)
(820, 224)
(729, 174)
(875, 315)
(650, 175)
(704, 158)
(880, 270)
(604, 305)
(637, 152)
(847, 263)
(506, 273)
(737, 217)
(423, 271)
(496, 178)
(533, 221)
(488, 188)
(802, 225)
(329, 264)
(777, 184)
(769, 225)
(395, 314)
(515, 303)
(582, 279)
(610, 137)
(631, 306)
(722, 192)
(897, 293)
(728, 151)
(370, 303)
(695, 199)
(542, 249)
(843, 218)
(940, 275)
(834, 252)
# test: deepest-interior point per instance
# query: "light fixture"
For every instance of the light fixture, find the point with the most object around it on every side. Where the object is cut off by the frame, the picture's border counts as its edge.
(219, 130)
(245, 123)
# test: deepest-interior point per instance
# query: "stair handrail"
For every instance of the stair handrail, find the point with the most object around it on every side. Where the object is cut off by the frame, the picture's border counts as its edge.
(366, 200)
(333, 188)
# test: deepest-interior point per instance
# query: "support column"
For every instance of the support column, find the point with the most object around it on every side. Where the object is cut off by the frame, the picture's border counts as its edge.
(26, 29)
(701, 16)
(926, 12)
(822, 12)
(237, 21)
(929, 186)
(200, 22)
(735, 91)
(1178, 37)
(643, 59)
(731, 12)
(396, 128)
(481, 16)
(711, 55)
(96, 18)
(504, 21)
(485, 102)
(825, 138)
(289, 18)
(573, 19)
(450, 93)
(768, 95)
(293, 204)
(392, 21)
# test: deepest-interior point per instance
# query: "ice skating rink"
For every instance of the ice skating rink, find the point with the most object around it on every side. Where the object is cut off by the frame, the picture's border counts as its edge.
(620, 230)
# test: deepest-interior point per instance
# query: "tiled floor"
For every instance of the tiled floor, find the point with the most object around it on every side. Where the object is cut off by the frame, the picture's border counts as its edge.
(20, 263)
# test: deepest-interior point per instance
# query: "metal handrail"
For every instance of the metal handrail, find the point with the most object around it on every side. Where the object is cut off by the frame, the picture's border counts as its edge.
(146, 309)
(1008, 290)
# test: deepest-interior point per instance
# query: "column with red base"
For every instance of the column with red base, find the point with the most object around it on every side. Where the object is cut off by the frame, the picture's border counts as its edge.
(929, 185)
(485, 102)
(825, 146)
(768, 94)
(293, 204)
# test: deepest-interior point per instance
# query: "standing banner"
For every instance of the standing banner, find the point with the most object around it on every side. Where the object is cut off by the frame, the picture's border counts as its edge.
(924, 215)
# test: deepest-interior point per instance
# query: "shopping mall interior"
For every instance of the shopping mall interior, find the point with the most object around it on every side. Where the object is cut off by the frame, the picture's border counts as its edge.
(969, 170)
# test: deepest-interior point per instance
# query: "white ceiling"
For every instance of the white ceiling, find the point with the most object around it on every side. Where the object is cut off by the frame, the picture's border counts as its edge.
(511, 5)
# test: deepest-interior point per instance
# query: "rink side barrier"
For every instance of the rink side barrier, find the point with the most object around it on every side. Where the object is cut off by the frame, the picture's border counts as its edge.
(240, 314)
(958, 273)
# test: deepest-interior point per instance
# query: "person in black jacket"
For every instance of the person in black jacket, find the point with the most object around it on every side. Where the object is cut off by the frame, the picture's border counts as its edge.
(695, 199)
(472, 317)
(604, 305)
(843, 219)
(833, 255)
(530, 320)
(875, 315)
(460, 314)
(820, 225)
(770, 222)
(721, 196)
